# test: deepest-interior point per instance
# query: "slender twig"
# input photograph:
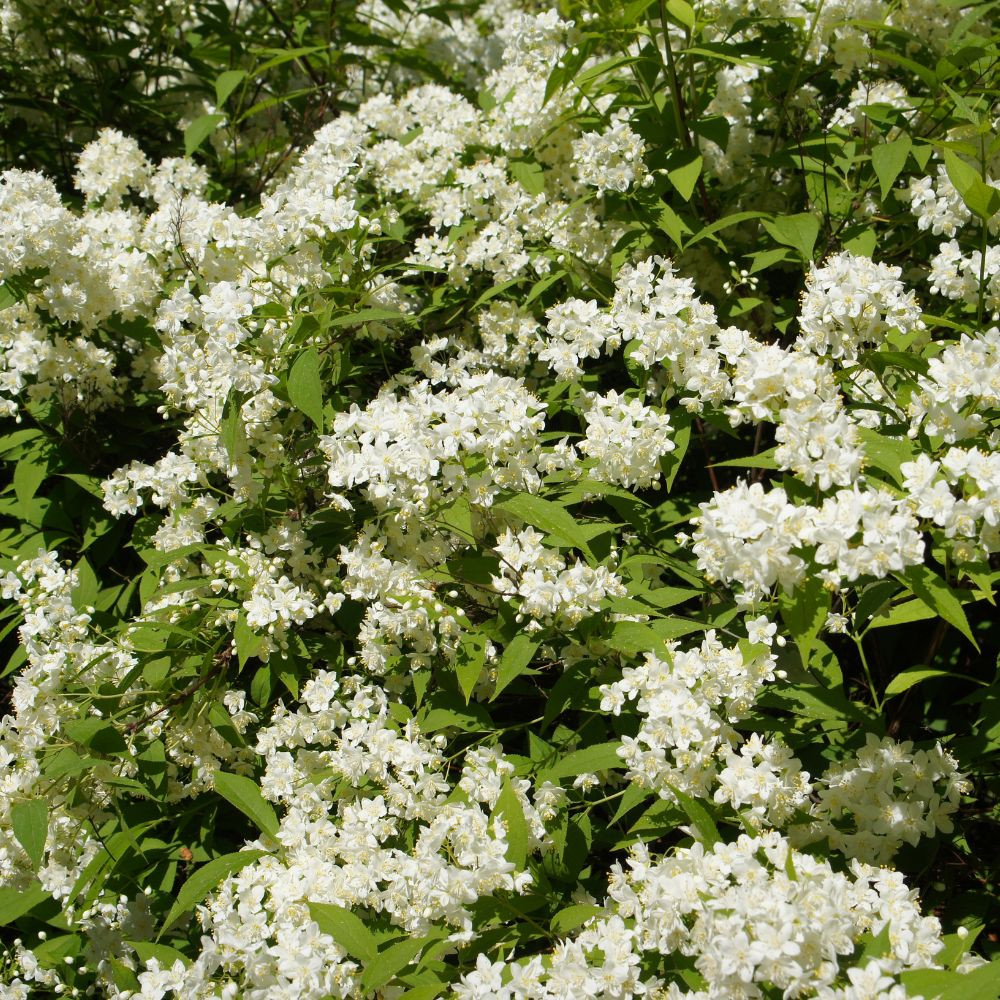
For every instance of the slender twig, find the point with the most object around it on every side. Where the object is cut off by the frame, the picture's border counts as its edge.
(220, 662)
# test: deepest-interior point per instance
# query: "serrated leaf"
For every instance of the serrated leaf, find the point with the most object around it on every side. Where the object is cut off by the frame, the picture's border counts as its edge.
(347, 929)
(30, 822)
(245, 794)
(199, 130)
(226, 83)
(924, 583)
(204, 879)
(509, 807)
(515, 658)
(304, 387)
(888, 160)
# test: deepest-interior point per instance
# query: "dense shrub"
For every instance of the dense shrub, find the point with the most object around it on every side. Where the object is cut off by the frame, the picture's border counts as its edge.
(503, 501)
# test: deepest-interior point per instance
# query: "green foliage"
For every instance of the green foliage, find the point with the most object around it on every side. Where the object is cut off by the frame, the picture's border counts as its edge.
(911, 655)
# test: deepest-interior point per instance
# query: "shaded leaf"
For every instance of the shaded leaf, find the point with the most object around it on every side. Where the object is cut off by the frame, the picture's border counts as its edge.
(245, 794)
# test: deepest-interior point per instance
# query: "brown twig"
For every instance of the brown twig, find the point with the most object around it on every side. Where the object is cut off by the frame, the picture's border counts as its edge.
(220, 662)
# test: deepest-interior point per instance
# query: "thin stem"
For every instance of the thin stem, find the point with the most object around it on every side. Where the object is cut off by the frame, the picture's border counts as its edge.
(983, 238)
(868, 675)
(675, 87)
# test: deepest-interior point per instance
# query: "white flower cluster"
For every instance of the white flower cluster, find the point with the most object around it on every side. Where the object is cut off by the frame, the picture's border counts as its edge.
(850, 303)
(961, 381)
(546, 588)
(756, 538)
(749, 914)
(889, 793)
(937, 204)
(688, 702)
(354, 783)
(412, 451)
(957, 277)
(610, 160)
(971, 521)
(626, 439)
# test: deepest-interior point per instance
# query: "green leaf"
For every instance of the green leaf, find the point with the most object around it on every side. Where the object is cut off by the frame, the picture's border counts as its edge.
(571, 917)
(470, 661)
(862, 245)
(304, 388)
(393, 960)
(914, 675)
(204, 879)
(52, 954)
(550, 517)
(673, 225)
(98, 734)
(30, 823)
(888, 160)
(232, 431)
(199, 130)
(644, 637)
(124, 978)
(804, 614)
(529, 175)
(509, 807)
(516, 656)
(599, 757)
(247, 642)
(937, 595)
(347, 929)
(979, 984)
(685, 173)
(796, 231)
(16, 903)
(902, 614)
(670, 464)
(87, 588)
(226, 83)
(163, 953)
(762, 460)
(372, 315)
(708, 832)
(886, 453)
(244, 793)
(29, 473)
(980, 198)
(682, 13)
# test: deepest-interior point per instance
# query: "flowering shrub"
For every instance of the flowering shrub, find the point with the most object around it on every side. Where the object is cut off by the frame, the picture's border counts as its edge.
(502, 500)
